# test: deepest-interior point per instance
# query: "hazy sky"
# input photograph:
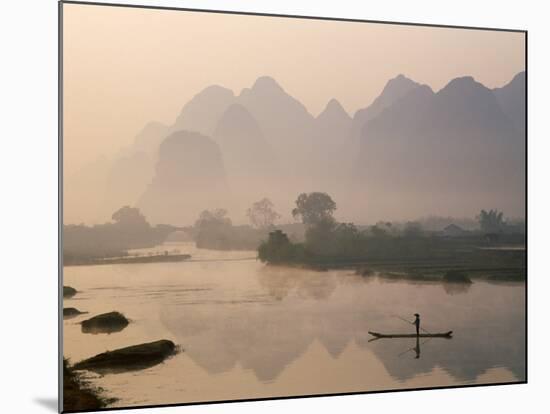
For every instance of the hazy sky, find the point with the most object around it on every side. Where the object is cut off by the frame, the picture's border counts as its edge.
(124, 67)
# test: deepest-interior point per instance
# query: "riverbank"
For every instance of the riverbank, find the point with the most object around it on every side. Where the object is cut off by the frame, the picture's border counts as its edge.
(422, 257)
(160, 258)
(501, 266)
(77, 394)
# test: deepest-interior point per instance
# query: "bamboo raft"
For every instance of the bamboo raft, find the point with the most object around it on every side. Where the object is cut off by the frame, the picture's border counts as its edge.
(448, 334)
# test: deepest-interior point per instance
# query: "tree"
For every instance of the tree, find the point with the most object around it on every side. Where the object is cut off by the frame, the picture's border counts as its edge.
(347, 240)
(213, 218)
(320, 237)
(491, 221)
(314, 208)
(381, 229)
(213, 229)
(262, 215)
(412, 229)
(279, 249)
(129, 216)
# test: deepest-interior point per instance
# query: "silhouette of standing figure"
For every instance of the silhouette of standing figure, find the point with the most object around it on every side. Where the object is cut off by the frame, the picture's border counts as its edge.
(417, 348)
(417, 323)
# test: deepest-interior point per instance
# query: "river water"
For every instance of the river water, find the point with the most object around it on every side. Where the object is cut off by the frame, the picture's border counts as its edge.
(247, 330)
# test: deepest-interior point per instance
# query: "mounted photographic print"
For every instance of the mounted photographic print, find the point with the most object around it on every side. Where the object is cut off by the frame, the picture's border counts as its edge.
(262, 206)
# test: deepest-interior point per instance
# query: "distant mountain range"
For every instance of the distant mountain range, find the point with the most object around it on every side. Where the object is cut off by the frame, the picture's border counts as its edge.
(437, 149)
(447, 152)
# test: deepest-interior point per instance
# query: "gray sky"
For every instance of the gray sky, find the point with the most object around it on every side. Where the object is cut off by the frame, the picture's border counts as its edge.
(124, 67)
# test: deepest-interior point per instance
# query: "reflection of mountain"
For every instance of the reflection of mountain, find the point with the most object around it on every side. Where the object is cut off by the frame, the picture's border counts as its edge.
(241, 337)
(456, 288)
(470, 353)
(488, 326)
(189, 175)
(267, 333)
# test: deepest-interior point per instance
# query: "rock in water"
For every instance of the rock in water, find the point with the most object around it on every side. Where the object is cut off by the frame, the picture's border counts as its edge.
(105, 323)
(68, 292)
(130, 358)
(71, 313)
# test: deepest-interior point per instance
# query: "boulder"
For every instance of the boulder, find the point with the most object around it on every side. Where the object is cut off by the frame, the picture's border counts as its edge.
(105, 323)
(68, 292)
(71, 313)
(130, 358)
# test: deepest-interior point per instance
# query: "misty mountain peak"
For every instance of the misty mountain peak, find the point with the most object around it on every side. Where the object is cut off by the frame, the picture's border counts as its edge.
(180, 141)
(422, 91)
(334, 109)
(395, 89)
(267, 84)
(462, 84)
(215, 91)
(472, 97)
(399, 85)
(520, 77)
(149, 138)
(517, 82)
(204, 110)
(511, 98)
(236, 119)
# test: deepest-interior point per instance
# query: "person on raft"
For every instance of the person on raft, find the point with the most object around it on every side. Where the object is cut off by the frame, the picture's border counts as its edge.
(417, 323)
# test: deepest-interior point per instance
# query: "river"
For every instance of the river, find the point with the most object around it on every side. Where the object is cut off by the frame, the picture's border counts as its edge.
(247, 330)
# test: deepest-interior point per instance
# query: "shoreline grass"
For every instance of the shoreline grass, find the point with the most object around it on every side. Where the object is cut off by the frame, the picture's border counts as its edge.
(78, 395)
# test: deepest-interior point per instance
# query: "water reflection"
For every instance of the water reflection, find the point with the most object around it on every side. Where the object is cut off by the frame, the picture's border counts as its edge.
(415, 349)
(336, 308)
(456, 288)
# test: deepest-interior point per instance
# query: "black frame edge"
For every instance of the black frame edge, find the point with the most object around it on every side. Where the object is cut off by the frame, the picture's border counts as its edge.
(292, 16)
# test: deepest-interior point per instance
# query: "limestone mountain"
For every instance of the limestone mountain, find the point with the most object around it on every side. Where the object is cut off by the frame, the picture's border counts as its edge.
(284, 121)
(245, 151)
(511, 98)
(394, 90)
(409, 144)
(329, 134)
(204, 110)
(435, 150)
(189, 177)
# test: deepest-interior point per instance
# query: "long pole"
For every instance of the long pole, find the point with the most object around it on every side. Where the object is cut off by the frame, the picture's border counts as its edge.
(409, 322)
(413, 348)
